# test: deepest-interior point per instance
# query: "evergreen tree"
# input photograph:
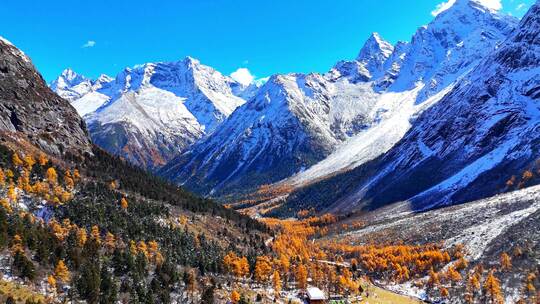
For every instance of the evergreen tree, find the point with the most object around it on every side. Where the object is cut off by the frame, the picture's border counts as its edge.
(208, 295)
(108, 288)
(24, 266)
(88, 283)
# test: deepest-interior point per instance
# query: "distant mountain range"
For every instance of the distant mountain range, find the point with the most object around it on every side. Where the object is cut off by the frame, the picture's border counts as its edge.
(152, 112)
(364, 134)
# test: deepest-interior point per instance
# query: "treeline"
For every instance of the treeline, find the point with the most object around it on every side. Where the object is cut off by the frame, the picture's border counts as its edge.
(105, 236)
(106, 167)
(96, 204)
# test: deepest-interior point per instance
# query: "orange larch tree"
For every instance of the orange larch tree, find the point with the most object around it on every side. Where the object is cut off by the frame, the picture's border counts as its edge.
(506, 262)
(263, 269)
(492, 288)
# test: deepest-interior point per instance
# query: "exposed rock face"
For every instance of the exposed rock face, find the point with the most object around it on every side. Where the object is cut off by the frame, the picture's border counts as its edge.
(150, 113)
(292, 122)
(28, 106)
(361, 107)
(465, 147)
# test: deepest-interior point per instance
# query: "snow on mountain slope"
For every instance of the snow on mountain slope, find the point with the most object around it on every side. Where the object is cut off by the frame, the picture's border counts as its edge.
(450, 45)
(143, 130)
(351, 100)
(208, 94)
(486, 228)
(293, 121)
(81, 91)
(369, 64)
(152, 112)
(473, 27)
(397, 109)
(467, 145)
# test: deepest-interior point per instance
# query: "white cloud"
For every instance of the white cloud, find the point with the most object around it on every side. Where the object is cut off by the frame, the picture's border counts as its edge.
(520, 6)
(89, 44)
(492, 4)
(243, 76)
(441, 7)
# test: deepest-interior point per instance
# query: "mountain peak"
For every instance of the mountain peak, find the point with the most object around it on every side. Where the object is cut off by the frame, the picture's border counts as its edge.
(190, 61)
(67, 79)
(104, 78)
(375, 46)
(71, 76)
(373, 55)
(461, 5)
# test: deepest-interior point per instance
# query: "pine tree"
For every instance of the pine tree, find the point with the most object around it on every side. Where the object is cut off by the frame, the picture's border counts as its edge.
(124, 203)
(453, 274)
(51, 176)
(506, 261)
(16, 160)
(235, 297)
(301, 276)
(51, 281)
(88, 282)
(24, 266)
(29, 162)
(95, 234)
(263, 269)
(42, 159)
(132, 248)
(191, 282)
(61, 272)
(11, 193)
(276, 280)
(81, 236)
(208, 295)
(110, 241)
(108, 289)
(492, 288)
(68, 180)
(142, 248)
(433, 278)
(2, 178)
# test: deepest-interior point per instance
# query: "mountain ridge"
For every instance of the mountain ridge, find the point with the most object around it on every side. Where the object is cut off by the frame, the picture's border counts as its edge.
(151, 112)
(348, 104)
(476, 141)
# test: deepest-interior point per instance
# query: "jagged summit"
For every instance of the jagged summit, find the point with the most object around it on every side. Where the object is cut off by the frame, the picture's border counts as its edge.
(369, 63)
(375, 48)
(67, 79)
(104, 78)
(448, 46)
(152, 111)
(318, 125)
(483, 5)
(70, 75)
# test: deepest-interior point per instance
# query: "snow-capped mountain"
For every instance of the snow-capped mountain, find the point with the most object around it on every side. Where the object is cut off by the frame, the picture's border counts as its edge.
(152, 112)
(417, 77)
(83, 93)
(450, 45)
(334, 122)
(369, 64)
(466, 146)
(292, 122)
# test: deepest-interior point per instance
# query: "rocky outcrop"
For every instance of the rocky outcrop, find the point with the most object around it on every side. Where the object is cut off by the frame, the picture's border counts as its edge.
(28, 106)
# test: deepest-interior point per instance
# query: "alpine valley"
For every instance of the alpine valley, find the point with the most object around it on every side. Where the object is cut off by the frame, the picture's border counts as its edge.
(409, 174)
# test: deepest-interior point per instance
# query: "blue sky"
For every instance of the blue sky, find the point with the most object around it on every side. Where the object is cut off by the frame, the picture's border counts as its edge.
(267, 37)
